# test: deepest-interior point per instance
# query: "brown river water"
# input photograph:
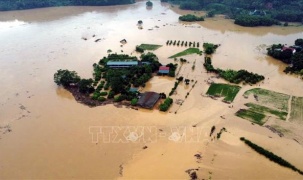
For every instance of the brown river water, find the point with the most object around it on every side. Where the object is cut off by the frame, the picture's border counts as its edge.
(44, 132)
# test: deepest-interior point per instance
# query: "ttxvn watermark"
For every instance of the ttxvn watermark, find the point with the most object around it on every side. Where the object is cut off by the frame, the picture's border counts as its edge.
(145, 134)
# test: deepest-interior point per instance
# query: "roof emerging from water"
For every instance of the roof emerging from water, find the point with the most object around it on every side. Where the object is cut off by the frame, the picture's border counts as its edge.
(148, 99)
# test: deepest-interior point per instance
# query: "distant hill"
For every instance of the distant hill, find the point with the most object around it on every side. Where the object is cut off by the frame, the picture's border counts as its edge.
(6, 5)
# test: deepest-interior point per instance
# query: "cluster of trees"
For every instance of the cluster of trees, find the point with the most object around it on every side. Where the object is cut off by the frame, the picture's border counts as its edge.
(271, 156)
(232, 75)
(116, 81)
(287, 55)
(210, 48)
(166, 104)
(182, 43)
(240, 76)
(252, 21)
(30, 4)
(191, 18)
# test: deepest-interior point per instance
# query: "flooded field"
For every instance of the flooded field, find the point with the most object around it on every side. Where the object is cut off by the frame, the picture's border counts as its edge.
(45, 133)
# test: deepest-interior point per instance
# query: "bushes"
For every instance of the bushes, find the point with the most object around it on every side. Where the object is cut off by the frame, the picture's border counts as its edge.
(232, 75)
(190, 18)
(271, 156)
(134, 101)
(251, 21)
(166, 104)
(209, 48)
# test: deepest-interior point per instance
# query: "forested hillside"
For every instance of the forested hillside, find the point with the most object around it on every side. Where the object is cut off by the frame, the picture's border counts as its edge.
(282, 10)
(29, 4)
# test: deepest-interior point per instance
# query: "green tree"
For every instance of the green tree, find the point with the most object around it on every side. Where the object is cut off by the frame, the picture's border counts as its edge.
(66, 77)
(85, 86)
(149, 3)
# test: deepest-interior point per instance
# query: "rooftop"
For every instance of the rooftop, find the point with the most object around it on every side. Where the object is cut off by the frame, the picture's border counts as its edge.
(148, 99)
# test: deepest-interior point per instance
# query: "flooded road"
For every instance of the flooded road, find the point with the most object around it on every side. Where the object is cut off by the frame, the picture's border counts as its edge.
(45, 133)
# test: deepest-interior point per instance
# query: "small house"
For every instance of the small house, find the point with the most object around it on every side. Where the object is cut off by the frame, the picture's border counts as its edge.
(163, 70)
(148, 100)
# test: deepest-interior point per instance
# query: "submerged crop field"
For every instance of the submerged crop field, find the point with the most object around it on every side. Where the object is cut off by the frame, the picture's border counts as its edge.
(229, 92)
(296, 114)
(269, 98)
(187, 52)
(150, 47)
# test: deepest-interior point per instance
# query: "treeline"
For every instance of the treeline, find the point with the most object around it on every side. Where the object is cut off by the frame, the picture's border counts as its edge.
(271, 156)
(292, 55)
(232, 75)
(6, 5)
(281, 10)
(252, 21)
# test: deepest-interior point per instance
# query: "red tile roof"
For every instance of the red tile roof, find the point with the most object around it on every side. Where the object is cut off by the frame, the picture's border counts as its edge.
(163, 68)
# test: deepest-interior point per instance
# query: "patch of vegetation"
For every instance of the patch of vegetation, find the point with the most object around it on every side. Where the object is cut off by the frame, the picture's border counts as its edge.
(179, 80)
(252, 116)
(229, 92)
(252, 21)
(187, 52)
(292, 55)
(271, 156)
(66, 77)
(210, 48)
(232, 75)
(220, 133)
(150, 47)
(166, 104)
(265, 110)
(269, 98)
(191, 18)
(296, 114)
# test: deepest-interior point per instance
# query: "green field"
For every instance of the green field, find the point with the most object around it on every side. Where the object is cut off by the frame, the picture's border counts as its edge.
(266, 111)
(187, 52)
(227, 91)
(272, 99)
(252, 116)
(296, 114)
(150, 47)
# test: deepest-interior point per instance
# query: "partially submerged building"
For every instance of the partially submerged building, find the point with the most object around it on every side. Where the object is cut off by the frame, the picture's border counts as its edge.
(148, 100)
(163, 70)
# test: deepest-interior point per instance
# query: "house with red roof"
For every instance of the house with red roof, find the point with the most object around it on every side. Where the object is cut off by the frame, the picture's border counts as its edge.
(163, 70)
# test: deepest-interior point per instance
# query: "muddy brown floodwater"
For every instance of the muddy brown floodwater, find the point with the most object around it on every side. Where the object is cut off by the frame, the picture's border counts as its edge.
(44, 132)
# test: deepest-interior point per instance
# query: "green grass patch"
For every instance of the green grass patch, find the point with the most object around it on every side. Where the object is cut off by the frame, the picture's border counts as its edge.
(227, 91)
(296, 114)
(252, 116)
(265, 110)
(187, 52)
(150, 47)
(269, 98)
